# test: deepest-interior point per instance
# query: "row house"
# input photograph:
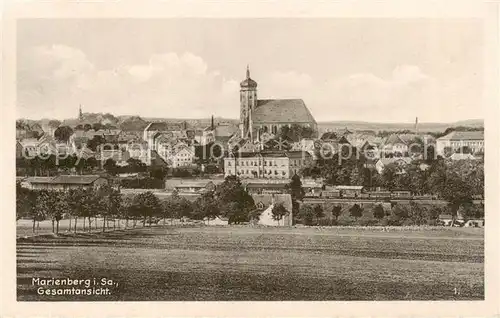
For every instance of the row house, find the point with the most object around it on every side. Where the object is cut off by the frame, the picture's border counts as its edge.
(65, 182)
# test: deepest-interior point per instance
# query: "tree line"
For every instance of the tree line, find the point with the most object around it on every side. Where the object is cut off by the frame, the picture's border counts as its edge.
(397, 215)
(229, 200)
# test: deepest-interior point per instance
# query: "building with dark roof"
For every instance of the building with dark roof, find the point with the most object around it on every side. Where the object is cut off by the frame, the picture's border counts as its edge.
(269, 115)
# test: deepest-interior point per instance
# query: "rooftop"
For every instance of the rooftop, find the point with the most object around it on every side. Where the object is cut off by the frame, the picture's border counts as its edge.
(75, 179)
(464, 135)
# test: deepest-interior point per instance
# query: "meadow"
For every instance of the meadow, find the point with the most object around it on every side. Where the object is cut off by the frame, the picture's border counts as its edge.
(171, 263)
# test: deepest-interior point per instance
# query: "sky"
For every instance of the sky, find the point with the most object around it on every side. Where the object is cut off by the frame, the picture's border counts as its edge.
(366, 69)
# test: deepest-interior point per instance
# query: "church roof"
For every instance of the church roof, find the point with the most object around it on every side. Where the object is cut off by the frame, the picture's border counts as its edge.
(282, 111)
(163, 126)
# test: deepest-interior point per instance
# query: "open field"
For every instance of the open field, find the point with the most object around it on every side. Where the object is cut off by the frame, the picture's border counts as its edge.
(246, 263)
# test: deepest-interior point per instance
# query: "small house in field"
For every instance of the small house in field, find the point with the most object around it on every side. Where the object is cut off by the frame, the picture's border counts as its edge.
(265, 203)
(447, 220)
(219, 220)
(479, 222)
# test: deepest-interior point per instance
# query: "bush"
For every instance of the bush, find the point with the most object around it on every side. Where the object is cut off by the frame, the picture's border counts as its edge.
(142, 183)
(367, 222)
(384, 222)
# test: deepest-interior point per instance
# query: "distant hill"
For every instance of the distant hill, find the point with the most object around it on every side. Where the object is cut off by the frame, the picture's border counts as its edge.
(427, 127)
(135, 123)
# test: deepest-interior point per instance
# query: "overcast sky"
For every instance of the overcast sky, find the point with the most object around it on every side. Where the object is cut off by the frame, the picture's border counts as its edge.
(379, 70)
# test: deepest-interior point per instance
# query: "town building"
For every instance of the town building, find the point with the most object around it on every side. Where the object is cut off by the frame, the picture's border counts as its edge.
(258, 116)
(65, 182)
(268, 165)
(457, 140)
(394, 145)
(192, 185)
(462, 156)
(182, 157)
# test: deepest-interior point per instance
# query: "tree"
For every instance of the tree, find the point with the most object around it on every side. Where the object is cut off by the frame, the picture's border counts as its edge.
(205, 207)
(296, 192)
(378, 211)
(61, 206)
(110, 201)
(25, 201)
(356, 211)
(54, 123)
(136, 165)
(295, 188)
(356, 178)
(158, 172)
(278, 212)
(306, 214)
(417, 213)
(110, 166)
(87, 127)
(62, 133)
(389, 176)
(234, 201)
(94, 143)
(148, 204)
(336, 212)
(399, 214)
(318, 212)
(97, 126)
(42, 207)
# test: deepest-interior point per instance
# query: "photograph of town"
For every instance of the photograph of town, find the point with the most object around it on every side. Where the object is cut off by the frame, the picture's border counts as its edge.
(249, 159)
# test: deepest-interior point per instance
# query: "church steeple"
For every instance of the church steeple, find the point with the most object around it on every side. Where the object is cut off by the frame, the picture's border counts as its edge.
(80, 114)
(248, 102)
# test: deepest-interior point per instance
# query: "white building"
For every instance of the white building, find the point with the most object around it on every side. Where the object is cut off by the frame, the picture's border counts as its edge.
(456, 140)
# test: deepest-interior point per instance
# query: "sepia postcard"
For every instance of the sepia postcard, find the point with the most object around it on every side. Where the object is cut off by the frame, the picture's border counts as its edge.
(250, 159)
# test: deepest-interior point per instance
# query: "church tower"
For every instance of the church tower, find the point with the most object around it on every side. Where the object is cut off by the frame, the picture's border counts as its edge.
(80, 114)
(248, 102)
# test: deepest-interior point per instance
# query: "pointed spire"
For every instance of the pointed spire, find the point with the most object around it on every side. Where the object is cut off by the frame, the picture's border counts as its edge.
(80, 114)
(248, 71)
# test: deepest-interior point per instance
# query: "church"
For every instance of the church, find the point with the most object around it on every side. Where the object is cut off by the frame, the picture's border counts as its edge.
(258, 116)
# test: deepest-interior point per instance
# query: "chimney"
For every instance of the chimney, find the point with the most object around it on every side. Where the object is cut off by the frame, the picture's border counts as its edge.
(416, 125)
(212, 127)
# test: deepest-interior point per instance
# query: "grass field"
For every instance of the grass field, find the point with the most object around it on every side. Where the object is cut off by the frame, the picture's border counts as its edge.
(245, 263)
